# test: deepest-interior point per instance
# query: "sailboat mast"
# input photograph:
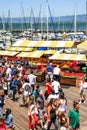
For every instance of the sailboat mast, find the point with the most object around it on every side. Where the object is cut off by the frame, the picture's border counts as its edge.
(86, 19)
(41, 23)
(9, 21)
(58, 23)
(47, 17)
(3, 22)
(75, 20)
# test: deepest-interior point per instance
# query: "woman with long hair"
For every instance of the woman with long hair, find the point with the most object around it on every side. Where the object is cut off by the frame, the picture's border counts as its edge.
(32, 114)
(51, 112)
(48, 88)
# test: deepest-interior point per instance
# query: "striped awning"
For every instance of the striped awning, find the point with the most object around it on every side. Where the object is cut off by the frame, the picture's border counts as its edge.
(8, 53)
(50, 52)
(59, 44)
(83, 45)
(19, 42)
(34, 54)
(25, 43)
(53, 44)
(19, 49)
(79, 57)
(24, 54)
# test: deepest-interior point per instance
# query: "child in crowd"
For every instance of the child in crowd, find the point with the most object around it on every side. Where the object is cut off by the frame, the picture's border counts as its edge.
(83, 87)
(63, 122)
(36, 92)
(8, 118)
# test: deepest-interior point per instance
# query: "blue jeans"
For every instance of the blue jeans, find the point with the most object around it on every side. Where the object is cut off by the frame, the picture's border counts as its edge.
(55, 122)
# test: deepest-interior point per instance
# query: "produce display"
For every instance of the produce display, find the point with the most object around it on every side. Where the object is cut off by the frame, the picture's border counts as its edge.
(71, 75)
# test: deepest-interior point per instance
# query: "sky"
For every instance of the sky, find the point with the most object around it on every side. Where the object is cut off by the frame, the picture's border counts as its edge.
(19, 8)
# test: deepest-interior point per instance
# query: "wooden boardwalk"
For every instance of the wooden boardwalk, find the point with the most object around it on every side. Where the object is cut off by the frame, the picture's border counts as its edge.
(20, 113)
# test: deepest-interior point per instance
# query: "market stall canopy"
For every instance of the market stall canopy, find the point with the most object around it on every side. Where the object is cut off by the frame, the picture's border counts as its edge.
(57, 56)
(8, 53)
(82, 45)
(20, 49)
(19, 42)
(25, 43)
(63, 44)
(53, 44)
(34, 54)
(50, 52)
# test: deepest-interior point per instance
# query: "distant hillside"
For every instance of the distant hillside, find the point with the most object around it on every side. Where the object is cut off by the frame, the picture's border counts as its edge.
(81, 18)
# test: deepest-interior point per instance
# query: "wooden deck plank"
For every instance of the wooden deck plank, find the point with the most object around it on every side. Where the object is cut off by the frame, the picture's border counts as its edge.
(21, 117)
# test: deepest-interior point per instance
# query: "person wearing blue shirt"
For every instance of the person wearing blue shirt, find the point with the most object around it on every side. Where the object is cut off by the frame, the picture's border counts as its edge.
(9, 118)
(49, 70)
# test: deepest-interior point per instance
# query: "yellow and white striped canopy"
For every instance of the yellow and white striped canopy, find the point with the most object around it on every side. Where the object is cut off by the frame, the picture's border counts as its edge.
(83, 45)
(8, 53)
(34, 54)
(79, 57)
(25, 43)
(19, 42)
(53, 44)
(20, 49)
(50, 51)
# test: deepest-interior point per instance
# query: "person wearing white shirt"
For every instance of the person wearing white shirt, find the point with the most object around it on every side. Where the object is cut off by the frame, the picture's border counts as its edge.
(83, 87)
(26, 92)
(32, 114)
(56, 86)
(20, 69)
(52, 96)
(56, 72)
(32, 80)
(8, 76)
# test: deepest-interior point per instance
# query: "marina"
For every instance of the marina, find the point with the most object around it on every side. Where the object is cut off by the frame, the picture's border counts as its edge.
(33, 36)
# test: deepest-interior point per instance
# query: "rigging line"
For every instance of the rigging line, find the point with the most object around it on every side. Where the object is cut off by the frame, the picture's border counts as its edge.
(52, 22)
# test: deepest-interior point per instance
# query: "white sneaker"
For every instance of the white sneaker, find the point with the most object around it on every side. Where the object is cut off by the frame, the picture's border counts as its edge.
(84, 101)
(45, 126)
(80, 102)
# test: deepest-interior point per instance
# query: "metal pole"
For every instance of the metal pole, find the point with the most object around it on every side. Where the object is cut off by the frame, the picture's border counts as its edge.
(86, 19)
(41, 23)
(47, 17)
(75, 23)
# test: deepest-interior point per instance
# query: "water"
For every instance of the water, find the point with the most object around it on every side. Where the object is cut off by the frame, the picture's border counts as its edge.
(67, 26)
(64, 23)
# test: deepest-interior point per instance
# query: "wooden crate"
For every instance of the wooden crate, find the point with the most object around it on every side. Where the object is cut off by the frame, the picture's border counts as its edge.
(41, 77)
(68, 81)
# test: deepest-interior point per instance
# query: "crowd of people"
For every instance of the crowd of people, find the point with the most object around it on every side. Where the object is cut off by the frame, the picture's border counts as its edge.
(45, 107)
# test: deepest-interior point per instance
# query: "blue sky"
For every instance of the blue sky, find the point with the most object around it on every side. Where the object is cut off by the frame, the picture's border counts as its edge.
(58, 7)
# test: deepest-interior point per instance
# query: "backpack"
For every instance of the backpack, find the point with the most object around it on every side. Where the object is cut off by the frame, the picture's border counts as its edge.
(13, 84)
(27, 87)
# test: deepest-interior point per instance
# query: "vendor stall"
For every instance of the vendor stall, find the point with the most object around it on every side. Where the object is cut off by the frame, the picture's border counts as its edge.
(10, 55)
(69, 72)
(38, 70)
(34, 64)
(71, 78)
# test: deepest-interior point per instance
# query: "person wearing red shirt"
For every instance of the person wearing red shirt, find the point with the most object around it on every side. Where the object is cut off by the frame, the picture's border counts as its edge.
(48, 88)
(2, 123)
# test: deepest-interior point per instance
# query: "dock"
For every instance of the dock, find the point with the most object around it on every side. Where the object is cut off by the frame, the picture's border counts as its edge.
(20, 116)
